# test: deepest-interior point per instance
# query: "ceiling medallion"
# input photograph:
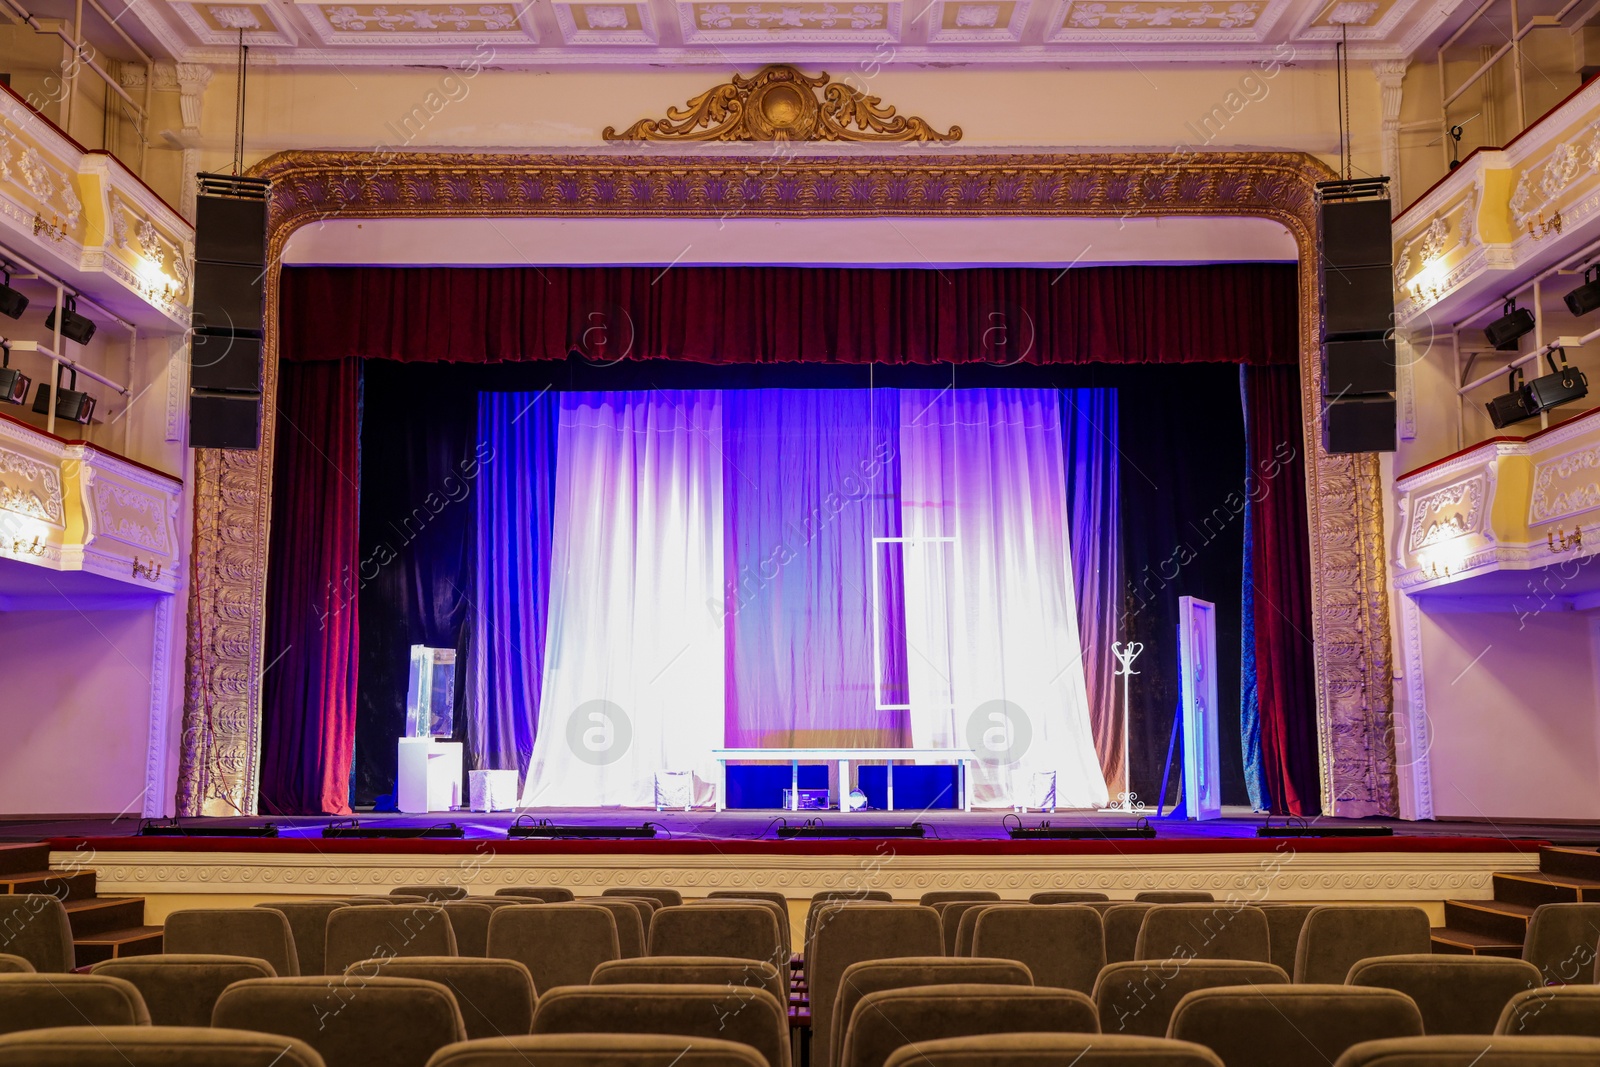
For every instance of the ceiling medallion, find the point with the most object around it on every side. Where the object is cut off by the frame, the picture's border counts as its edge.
(782, 104)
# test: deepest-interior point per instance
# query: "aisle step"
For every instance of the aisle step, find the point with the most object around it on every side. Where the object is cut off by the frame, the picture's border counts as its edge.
(117, 944)
(1570, 862)
(21, 858)
(63, 885)
(1450, 941)
(89, 917)
(1534, 888)
(1497, 919)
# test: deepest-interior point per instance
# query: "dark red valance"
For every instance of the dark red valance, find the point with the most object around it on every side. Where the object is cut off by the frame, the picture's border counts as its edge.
(1231, 313)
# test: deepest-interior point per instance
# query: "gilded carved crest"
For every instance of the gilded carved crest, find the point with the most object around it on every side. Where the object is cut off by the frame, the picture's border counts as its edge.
(782, 104)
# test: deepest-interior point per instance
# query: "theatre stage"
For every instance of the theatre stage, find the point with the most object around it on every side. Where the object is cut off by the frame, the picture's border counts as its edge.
(699, 851)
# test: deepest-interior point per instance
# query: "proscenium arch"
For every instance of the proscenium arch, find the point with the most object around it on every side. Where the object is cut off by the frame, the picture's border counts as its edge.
(220, 768)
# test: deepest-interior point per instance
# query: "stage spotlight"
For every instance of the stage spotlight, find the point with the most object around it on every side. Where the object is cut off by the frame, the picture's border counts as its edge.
(13, 383)
(1512, 405)
(74, 327)
(1562, 385)
(71, 405)
(814, 828)
(172, 828)
(1512, 325)
(354, 829)
(1297, 827)
(1044, 831)
(12, 303)
(1586, 297)
(544, 829)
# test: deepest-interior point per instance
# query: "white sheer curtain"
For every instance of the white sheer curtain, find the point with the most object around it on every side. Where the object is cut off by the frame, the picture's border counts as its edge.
(993, 651)
(634, 658)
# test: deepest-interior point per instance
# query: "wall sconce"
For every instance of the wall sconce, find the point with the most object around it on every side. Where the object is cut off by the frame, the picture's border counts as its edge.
(52, 229)
(1558, 541)
(1433, 570)
(151, 570)
(21, 548)
(1542, 229)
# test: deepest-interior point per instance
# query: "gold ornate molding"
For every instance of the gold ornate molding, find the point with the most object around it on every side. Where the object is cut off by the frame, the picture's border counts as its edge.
(233, 489)
(781, 104)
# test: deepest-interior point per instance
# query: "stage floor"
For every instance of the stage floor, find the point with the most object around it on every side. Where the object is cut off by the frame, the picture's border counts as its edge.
(700, 851)
(761, 825)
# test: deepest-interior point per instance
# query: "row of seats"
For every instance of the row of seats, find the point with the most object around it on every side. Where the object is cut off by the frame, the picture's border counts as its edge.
(88, 1046)
(375, 1015)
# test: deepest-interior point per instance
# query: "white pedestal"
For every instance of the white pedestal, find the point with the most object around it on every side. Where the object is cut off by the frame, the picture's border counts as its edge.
(492, 790)
(430, 775)
(674, 789)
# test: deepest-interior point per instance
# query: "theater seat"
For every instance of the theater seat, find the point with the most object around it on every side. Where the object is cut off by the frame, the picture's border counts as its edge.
(352, 1021)
(10, 964)
(951, 915)
(734, 1013)
(1462, 1050)
(1173, 896)
(849, 933)
(1203, 932)
(308, 926)
(669, 898)
(1284, 922)
(599, 1050)
(37, 930)
(1336, 937)
(744, 931)
(695, 970)
(469, 922)
(153, 1046)
(256, 933)
(496, 997)
(1561, 942)
(629, 919)
(33, 1001)
(1122, 923)
(548, 893)
(1269, 1026)
(181, 990)
(1138, 997)
(560, 944)
(1068, 896)
(1052, 1050)
(356, 934)
(780, 914)
(1062, 945)
(884, 1021)
(945, 896)
(1564, 1011)
(872, 976)
(432, 894)
(1456, 994)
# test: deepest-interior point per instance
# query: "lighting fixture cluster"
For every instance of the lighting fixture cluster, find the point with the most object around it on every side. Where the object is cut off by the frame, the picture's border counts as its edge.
(71, 405)
(1523, 400)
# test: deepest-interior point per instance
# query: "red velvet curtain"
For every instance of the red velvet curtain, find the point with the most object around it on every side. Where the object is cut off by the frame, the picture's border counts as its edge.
(333, 317)
(1236, 313)
(308, 690)
(1281, 565)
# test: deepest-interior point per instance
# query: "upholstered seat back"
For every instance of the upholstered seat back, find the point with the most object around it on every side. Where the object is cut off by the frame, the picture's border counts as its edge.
(352, 1021)
(1203, 932)
(1455, 994)
(1336, 937)
(496, 997)
(1052, 1050)
(1565, 1011)
(258, 933)
(1062, 945)
(884, 1021)
(599, 1050)
(181, 990)
(34, 1001)
(732, 1013)
(871, 976)
(36, 929)
(308, 927)
(1561, 942)
(365, 933)
(1269, 1026)
(744, 931)
(1138, 996)
(850, 933)
(153, 1046)
(560, 944)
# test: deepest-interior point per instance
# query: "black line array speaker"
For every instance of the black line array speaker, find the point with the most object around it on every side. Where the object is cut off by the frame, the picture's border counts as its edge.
(230, 242)
(1356, 271)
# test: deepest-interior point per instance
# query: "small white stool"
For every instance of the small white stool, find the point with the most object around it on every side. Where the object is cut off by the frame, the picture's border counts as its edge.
(674, 789)
(492, 790)
(1041, 792)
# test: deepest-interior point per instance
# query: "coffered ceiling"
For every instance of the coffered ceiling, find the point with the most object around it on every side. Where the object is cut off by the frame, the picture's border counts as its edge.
(865, 33)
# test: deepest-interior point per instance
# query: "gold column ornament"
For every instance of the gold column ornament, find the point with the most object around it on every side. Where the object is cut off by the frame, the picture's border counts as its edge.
(780, 104)
(233, 490)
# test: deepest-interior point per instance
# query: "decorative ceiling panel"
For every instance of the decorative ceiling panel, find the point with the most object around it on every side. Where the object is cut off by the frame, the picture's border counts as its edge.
(423, 24)
(264, 24)
(1165, 20)
(966, 21)
(606, 23)
(768, 21)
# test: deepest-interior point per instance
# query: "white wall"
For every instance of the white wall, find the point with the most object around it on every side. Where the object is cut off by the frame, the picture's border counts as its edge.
(75, 711)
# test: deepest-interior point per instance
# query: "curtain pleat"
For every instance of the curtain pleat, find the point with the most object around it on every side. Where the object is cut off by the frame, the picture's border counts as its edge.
(312, 630)
(1232, 313)
(1280, 566)
(517, 435)
(1094, 518)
